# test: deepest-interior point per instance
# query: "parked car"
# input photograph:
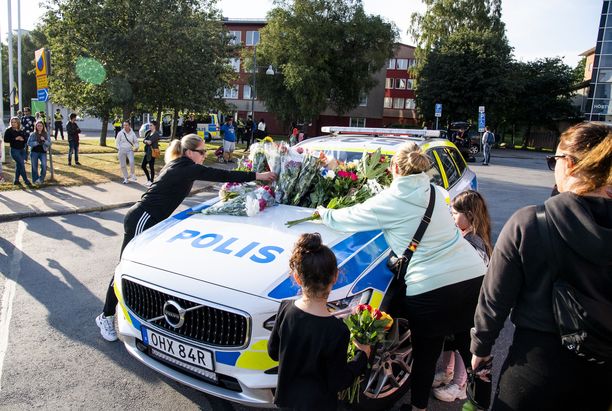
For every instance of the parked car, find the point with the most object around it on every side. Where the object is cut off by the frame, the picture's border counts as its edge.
(199, 294)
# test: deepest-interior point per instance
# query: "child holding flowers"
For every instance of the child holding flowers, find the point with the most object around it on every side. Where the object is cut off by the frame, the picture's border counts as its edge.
(309, 343)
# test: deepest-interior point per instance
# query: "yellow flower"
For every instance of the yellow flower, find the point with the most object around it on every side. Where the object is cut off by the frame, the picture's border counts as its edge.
(268, 139)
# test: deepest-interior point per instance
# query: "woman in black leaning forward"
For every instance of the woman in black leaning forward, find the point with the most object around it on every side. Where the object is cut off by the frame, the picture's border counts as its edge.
(539, 372)
(184, 160)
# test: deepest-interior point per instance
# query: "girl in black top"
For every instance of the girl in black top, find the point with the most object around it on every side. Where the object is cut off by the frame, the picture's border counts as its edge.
(184, 160)
(17, 138)
(151, 142)
(307, 340)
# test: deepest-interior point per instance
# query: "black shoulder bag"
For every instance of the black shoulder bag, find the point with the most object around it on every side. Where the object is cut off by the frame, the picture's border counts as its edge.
(398, 265)
(587, 335)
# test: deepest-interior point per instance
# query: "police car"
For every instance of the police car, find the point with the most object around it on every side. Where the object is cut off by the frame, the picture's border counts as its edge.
(198, 294)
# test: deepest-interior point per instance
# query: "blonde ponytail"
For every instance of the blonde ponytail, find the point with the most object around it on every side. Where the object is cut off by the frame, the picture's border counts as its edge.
(178, 147)
(410, 159)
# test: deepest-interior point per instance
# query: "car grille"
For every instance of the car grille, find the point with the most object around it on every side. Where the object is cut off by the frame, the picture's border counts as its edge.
(206, 324)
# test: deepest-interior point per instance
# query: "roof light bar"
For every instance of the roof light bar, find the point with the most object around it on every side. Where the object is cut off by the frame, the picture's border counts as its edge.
(400, 132)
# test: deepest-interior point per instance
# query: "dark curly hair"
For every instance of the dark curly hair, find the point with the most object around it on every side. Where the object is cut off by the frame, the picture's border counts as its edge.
(314, 264)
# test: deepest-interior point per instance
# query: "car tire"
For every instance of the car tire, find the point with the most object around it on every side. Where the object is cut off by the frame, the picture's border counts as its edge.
(474, 149)
(388, 379)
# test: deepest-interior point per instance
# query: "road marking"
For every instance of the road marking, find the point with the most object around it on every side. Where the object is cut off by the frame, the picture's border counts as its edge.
(6, 304)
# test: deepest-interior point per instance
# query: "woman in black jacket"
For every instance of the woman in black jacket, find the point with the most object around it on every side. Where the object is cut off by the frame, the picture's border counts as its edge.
(539, 372)
(17, 138)
(184, 160)
(151, 142)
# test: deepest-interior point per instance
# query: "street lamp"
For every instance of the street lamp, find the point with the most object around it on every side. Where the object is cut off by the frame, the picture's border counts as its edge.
(269, 72)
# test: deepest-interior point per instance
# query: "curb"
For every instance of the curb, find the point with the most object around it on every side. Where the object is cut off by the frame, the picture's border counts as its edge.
(82, 210)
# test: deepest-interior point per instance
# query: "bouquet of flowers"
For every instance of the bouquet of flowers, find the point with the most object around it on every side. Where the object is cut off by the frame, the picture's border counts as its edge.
(290, 170)
(274, 156)
(257, 156)
(231, 190)
(367, 326)
(322, 187)
(310, 169)
(243, 203)
(244, 164)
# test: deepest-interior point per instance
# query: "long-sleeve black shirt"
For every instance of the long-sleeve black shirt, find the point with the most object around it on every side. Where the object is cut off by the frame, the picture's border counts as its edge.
(10, 136)
(73, 131)
(519, 278)
(312, 355)
(175, 182)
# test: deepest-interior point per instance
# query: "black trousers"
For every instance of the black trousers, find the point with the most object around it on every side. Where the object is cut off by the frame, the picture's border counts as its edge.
(59, 127)
(432, 316)
(136, 221)
(151, 165)
(540, 374)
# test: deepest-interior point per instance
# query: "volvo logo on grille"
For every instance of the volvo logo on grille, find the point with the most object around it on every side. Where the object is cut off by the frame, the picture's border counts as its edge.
(174, 314)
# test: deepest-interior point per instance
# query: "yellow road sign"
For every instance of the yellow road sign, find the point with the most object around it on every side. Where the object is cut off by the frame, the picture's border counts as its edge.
(42, 82)
(40, 62)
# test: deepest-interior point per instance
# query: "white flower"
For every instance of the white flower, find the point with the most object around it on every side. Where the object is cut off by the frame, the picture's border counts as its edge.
(374, 187)
(331, 174)
(252, 206)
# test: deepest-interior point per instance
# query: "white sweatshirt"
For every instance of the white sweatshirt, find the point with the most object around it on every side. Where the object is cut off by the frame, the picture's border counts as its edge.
(124, 139)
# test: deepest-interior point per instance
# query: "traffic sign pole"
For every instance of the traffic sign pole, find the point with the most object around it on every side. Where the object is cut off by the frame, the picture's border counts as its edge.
(438, 113)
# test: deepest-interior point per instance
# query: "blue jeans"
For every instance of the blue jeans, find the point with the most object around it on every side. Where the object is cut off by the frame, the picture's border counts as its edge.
(74, 148)
(19, 156)
(486, 150)
(43, 166)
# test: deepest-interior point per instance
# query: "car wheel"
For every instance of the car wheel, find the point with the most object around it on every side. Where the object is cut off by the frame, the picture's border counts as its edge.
(389, 376)
(474, 149)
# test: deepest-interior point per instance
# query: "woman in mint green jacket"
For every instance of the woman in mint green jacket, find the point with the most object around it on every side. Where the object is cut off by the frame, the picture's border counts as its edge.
(445, 273)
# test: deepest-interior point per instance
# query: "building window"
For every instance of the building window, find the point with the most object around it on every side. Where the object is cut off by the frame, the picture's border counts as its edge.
(235, 63)
(363, 102)
(401, 64)
(236, 37)
(410, 104)
(246, 92)
(410, 84)
(391, 65)
(389, 83)
(398, 103)
(252, 38)
(357, 122)
(400, 83)
(231, 92)
(388, 102)
(411, 63)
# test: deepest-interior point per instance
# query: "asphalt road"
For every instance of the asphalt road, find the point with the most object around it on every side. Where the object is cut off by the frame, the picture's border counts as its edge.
(53, 276)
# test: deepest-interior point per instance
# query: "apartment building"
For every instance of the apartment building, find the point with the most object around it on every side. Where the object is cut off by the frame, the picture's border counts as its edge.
(399, 102)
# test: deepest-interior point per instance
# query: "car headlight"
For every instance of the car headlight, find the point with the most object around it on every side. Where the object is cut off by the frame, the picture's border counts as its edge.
(340, 308)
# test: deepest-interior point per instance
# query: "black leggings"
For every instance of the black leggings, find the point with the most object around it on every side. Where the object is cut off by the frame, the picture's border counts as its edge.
(136, 221)
(540, 374)
(151, 164)
(432, 316)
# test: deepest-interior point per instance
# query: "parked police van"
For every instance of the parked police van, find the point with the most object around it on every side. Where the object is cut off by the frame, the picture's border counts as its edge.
(199, 293)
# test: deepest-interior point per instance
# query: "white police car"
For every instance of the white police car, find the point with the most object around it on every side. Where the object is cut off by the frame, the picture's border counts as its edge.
(199, 294)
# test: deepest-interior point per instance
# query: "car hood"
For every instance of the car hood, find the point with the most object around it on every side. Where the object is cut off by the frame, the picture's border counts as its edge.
(249, 254)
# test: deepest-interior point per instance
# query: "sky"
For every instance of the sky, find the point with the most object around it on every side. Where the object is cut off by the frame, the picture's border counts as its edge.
(535, 28)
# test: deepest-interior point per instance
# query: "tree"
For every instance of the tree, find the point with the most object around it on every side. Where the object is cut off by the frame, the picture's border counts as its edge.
(326, 53)
(151, 54)
(463, 58)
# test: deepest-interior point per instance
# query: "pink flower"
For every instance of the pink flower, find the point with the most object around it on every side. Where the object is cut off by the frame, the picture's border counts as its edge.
(362, 307)
(353, 176)
(262, 204)
(376, 314)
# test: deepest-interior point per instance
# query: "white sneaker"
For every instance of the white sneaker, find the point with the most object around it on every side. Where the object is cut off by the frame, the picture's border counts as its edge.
(107, 327)
(133, 178)
(148, 183)
(450, 393)
(441, 378)
(125, 181)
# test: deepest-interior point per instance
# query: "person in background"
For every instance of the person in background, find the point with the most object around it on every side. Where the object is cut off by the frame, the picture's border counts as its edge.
(117, 125)
(151, 142)
(127, 144)
(73, 130)
(540, 373)
(190, 126)
(261, 129)
(250, 130)
(471, 216)
(58, 122)
(443, 278)
(40, 143)
(17, 137)
(179, 126)
(293, 137)
(488, 139)
(184, 160)
(309, 343)
(240, 134)
(27, 123)
(229, 139)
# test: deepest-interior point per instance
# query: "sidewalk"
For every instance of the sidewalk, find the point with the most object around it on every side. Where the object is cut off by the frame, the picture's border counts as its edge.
(57, 200)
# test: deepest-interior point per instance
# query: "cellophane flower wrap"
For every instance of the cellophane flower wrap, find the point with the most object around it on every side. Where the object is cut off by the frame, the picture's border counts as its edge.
(310, 169)
(231, 190)
(240, 201)
(367, 326)
(244, 164)
(290, 171)
(274, 155)
(257, 155)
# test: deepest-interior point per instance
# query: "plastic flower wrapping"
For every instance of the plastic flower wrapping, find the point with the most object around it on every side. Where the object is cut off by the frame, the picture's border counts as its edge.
(367, 326)
(241, 200)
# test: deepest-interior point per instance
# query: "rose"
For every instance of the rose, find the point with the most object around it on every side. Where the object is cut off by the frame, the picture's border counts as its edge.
(377, 314)
(363, 307)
